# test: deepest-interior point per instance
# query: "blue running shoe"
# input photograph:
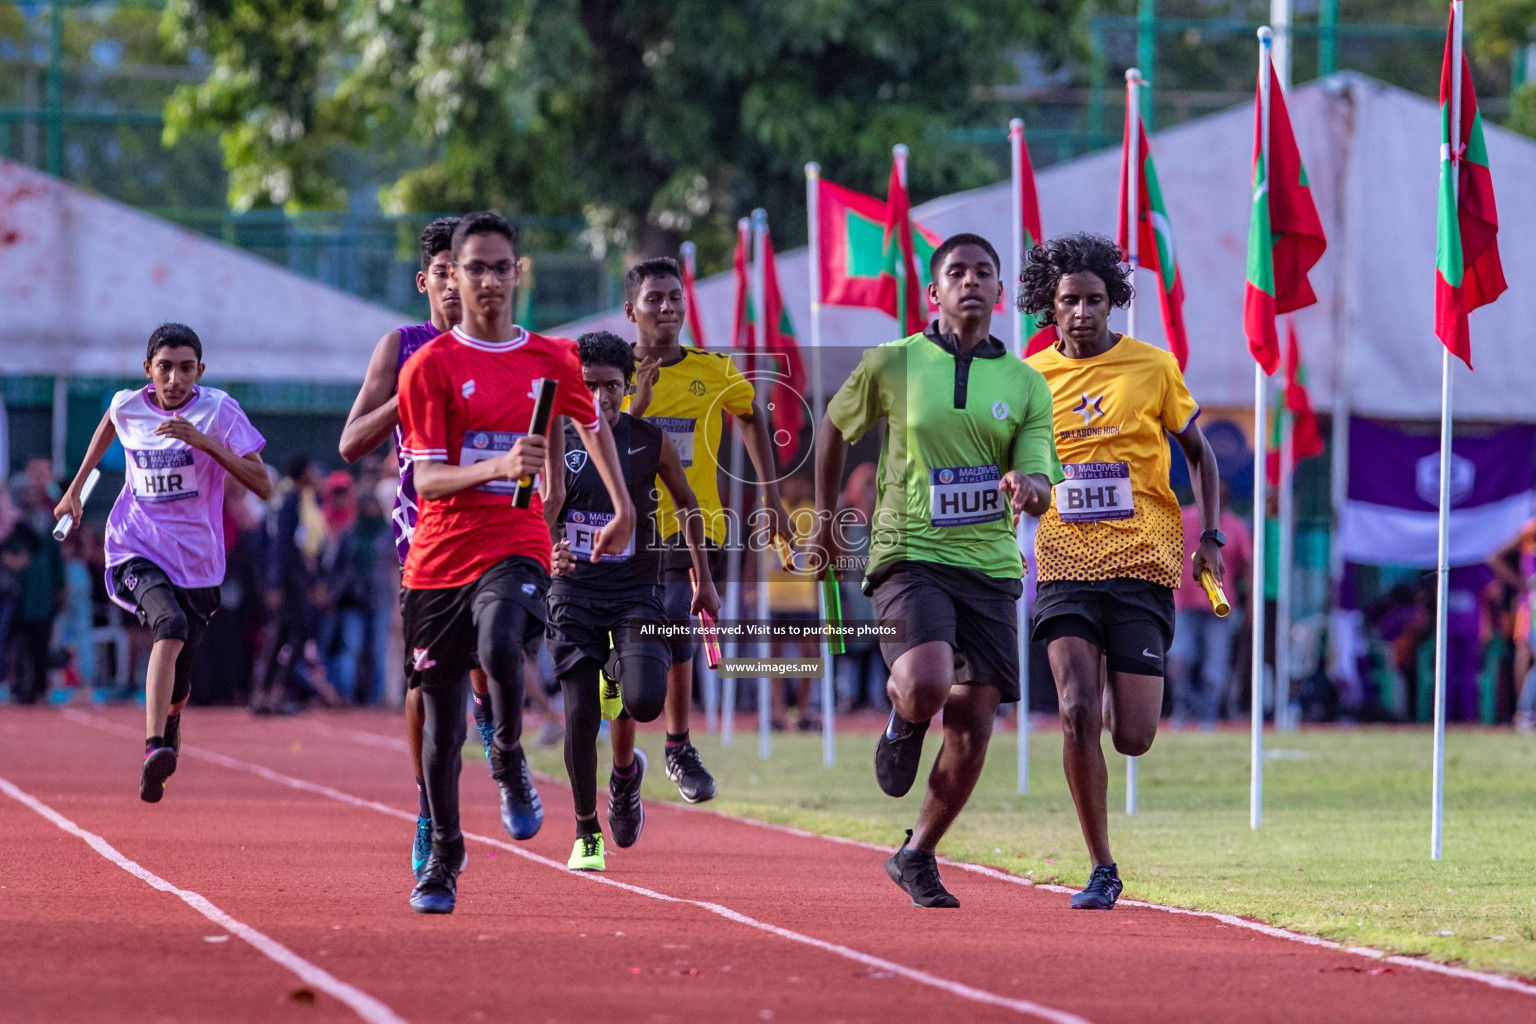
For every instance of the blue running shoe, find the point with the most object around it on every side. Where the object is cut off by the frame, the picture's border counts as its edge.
(437, 891)
(522, 812)
(422, 848)
(487, 731)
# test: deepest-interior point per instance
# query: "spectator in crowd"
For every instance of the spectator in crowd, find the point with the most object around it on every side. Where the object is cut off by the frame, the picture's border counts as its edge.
(1200, 658)
(78, 617)
(17, 542)
(226, 659)
(1515, 565)
(792, 607)
(343, 589)
(296, 535)
(40, 583)
(861, 671)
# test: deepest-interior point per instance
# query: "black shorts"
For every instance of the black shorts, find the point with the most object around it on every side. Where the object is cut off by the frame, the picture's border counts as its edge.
(1130, 620)
(440, 634)
(581, 624)
(677, 591)
(976, 614)
(171, 612)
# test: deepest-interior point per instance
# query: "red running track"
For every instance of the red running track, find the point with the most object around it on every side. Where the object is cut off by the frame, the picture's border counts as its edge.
(286, 844)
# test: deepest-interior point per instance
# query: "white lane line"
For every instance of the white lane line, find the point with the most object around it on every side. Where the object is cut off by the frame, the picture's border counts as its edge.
(361, 1003)
(1464, 973)
(954, 988)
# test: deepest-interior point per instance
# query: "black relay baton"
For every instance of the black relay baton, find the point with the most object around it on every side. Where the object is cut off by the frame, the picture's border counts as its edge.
(543, 405)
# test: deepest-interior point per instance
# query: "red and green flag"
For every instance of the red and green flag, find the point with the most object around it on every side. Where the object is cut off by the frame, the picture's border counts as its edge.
(693, 322)
(857, 266)
(786, 407)
(1306, 434)
(1285, 234)
(911, 305)
(741, 331)
(1037, 337)
(1468, 272)
(1154, 237)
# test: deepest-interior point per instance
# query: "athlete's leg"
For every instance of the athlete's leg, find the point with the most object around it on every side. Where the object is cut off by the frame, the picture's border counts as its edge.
(169, 626)
(968, 720)
(583, 716)
(1134, 660)
(1137, 701)
(442, 743)
(679, 697)
(500, 625)
(1076, 664)
(921, 679)
(621, 737)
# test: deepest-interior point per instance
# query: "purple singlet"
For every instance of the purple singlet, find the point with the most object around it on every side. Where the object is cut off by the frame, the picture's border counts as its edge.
(404, 518)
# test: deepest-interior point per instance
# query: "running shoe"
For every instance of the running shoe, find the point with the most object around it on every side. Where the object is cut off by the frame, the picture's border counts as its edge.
(422, 848)
(487, 733)
(1102, 890)
(522, 812)
(437, 891)
(897, 755)
(684, 768)
(587, 854)
(917, 873)
(159, 765)
(612, 700)
(626, 812)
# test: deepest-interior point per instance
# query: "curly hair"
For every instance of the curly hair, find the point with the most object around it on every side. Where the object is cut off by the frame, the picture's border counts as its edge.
(437, 237)
(1047, 263)
(604, 348)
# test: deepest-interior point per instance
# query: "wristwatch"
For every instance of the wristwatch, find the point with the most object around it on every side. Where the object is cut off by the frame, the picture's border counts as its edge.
(1216, 537)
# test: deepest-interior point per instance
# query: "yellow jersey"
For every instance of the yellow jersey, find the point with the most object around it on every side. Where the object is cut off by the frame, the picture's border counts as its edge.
(790, 591)
(1114, 514)
(688, 402)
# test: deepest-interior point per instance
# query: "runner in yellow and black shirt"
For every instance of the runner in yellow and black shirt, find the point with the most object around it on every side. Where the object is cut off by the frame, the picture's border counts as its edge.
(686, 392)
(1110, 550)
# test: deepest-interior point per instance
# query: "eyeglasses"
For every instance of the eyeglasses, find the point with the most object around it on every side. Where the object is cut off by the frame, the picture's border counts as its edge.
(613, 387)
(477, 270)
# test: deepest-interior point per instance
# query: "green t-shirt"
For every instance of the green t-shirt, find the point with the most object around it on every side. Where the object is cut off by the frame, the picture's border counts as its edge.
(953, 428)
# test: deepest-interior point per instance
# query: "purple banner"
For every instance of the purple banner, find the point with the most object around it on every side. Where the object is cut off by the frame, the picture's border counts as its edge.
(1399, 467)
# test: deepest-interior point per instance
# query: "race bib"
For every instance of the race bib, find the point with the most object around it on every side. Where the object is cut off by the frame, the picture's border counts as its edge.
(1095, 491)
(680, 430)
(164, 474)
(581, 530)
(964, 496)
(480, 445)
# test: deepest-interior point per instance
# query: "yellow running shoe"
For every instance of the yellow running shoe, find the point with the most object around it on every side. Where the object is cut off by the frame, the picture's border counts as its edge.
(587, 854)
(608, 687)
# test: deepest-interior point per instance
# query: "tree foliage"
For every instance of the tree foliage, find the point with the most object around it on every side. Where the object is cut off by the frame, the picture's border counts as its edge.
(650, 119)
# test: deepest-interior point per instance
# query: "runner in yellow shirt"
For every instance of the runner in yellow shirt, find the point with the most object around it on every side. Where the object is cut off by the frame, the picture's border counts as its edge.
(686, 392)
(1110, 549)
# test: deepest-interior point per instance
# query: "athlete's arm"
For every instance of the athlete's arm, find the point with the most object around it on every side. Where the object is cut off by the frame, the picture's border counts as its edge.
(1031, 492)
(436, 480)
(670, 469)
(376, 409)
(1503, 562)
(248, 469)
(831, 453)
(552, 486)
(1206, 479)
(646, 376)
(105, 434)
(613, 538)
(754, 432)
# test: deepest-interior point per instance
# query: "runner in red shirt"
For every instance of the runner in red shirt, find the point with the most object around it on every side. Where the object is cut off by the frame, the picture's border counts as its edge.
(478, 570)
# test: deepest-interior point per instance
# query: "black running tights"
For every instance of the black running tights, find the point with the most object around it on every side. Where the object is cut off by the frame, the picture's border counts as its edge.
(643, 684)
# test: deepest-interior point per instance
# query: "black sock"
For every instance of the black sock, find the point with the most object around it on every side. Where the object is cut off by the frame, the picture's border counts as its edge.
(152, 744)
(628, 771)
(421, 799)
(173, 731)
(677, 739)
(588, 827)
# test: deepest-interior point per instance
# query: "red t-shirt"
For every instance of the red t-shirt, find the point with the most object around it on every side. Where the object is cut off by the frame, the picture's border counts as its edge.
(462, 401)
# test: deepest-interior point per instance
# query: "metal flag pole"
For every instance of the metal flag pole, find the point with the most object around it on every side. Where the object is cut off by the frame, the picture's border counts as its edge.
(1451, 160)
(1260, 486)
(1015, 271)
(1133, 243)
(763, 648)
(818, 403)
(689, 253)
(736, 539)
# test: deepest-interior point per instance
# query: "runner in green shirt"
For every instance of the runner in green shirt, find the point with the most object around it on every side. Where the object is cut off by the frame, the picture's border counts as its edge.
(968, 446)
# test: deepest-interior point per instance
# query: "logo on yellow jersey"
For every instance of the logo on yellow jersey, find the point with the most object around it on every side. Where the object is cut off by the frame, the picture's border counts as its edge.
(696, 389)
(1090, 407)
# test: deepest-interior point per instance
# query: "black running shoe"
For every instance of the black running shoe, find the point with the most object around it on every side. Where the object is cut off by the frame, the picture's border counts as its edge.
(159, 765)
(897, 755)
(438, 890)
(626, 813)
(1102, 890)
(692, 778)
(918, 875)
(173, 733)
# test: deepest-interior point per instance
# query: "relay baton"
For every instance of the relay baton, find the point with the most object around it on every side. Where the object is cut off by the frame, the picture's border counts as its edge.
(711, 640)
(786, 553)
(833, 600)
(542, 407)
(67, 520)
(1213, 591)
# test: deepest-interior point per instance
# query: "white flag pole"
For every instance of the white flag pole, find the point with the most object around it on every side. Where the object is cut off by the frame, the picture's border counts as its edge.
(760, 347)
(736, 538)
(1280, 20)
(1260, 498)
(1133, 240)
(689, 253)
(813, 247)
(1443, 560)
(1284, 722)
(1015, 269)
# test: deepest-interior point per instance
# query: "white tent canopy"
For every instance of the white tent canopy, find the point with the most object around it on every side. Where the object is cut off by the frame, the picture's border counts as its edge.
(84, 280)
(1371, 145)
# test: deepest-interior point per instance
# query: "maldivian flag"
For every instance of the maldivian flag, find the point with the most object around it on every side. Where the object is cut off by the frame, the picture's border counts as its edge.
(1468, 272)
(1036, 336)
(1154, 238)
(1285, 234)
(1306, 435)
(741, 331)
(786, 406)
(911, 305)
(856, 268)
(693, 321)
